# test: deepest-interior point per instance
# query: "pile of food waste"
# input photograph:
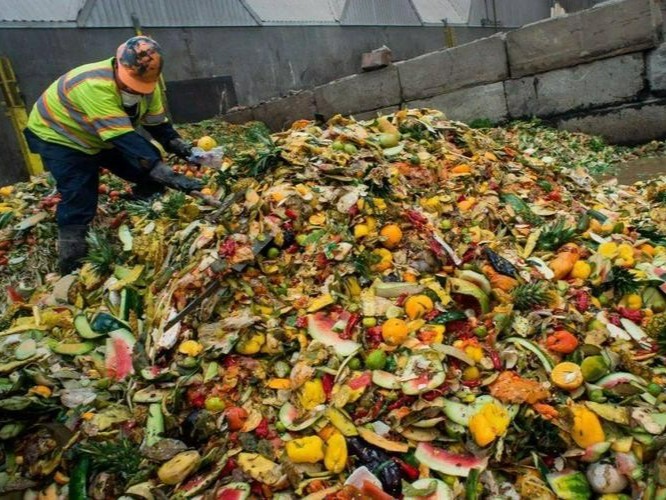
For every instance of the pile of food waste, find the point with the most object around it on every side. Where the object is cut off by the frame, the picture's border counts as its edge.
(404, 307)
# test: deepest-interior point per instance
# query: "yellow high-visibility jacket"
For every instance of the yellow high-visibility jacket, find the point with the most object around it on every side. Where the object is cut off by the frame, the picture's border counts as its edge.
(83, 109)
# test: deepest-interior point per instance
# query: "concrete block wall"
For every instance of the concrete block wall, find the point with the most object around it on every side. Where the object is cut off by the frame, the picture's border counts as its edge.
(601, 71)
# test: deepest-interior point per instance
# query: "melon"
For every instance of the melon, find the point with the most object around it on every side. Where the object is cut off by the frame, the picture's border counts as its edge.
(423, 373)
(320, 328)
(434, 489)
(233, 491)
(292, 420)
(385, 380)
(119, 348)
(452, 464)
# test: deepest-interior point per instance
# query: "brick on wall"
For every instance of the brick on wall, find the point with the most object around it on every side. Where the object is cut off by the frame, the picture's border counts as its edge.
(609, 81)
(481, 61)
(605, 30)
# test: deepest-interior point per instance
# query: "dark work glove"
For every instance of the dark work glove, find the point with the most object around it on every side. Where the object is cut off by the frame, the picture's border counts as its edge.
(179, 147)
(163, 174)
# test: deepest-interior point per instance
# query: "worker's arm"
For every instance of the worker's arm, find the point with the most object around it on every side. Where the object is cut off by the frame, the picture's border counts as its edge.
(106, 114)
(145, 156)
(157, 124)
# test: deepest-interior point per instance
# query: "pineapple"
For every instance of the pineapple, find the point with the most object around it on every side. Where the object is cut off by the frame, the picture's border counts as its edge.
(531, 295)
(628, 363)
(622, 281)
(555, 235)
(101, 255)
(656, 327)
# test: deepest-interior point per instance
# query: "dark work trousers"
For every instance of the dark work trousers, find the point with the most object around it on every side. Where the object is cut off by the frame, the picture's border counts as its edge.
(77, 177)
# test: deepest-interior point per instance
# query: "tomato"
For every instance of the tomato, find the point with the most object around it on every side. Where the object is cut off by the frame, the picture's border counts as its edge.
(374, 492)
(236, 417)
(103, 189)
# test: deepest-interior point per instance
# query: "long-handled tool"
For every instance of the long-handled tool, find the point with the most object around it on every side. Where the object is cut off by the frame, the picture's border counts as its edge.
(219, 266)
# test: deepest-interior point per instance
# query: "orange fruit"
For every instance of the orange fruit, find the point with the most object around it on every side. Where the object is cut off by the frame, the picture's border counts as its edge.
(567, 376)
(417, 306)
(392, 235)
(395, 331)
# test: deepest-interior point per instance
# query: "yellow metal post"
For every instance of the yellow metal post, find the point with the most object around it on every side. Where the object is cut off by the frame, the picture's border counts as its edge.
(17, 114)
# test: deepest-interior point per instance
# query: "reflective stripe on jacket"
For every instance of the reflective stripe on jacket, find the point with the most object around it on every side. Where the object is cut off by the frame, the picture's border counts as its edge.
(83, 109)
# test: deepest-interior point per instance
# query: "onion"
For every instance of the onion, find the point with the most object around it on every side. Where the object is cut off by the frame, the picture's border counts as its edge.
(604, 478)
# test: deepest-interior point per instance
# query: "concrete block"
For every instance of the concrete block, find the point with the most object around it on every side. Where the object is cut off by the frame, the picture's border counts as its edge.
(239, 115)
(377, 59)
(358, 93)
(609, 81)
(607, 29)
(279, 114)
(483, 101)
(656, 69)
(629, 124)
(481, 61)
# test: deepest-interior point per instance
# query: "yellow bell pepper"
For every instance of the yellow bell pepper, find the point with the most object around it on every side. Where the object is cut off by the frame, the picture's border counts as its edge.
(474, 352)
(490, 422)
(251, 344)
(335, 457)
(634, 301)
(581, 270)
(308, 450)
(190, 347)
(312, 394)
(625, 251)
(586, 429)
(608, 250)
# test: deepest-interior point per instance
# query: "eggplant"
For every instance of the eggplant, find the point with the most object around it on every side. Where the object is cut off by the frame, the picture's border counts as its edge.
(379, 463)
(500, 264)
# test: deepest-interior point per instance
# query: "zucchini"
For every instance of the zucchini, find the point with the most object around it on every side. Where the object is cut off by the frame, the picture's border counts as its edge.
(83, 328)
(154, 424)
(448, 316)
(472, 485)
(534, 349)
(104, 322)
(78, 479)
(597, 215)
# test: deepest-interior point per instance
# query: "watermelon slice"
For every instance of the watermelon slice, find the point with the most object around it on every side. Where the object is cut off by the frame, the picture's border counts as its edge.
(448, 463)
(423, 373)
(233, 491)
(119, 348)
(320, 328)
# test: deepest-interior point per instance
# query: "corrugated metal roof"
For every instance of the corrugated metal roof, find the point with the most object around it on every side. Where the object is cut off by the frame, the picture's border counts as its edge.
(295, 11)
(380, 12)
(48, 11)
(433, 11)
(509, 13)
(166, 13)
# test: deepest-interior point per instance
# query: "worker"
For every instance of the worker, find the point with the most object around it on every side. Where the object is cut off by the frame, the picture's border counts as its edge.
(87, 119)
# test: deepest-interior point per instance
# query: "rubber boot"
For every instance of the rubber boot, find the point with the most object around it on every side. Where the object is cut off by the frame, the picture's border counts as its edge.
(72, 247)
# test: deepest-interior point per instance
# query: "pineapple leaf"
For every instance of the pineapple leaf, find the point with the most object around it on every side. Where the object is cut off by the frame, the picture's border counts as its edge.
(621, 280)
(101, 254)
(555, 235)
(531, 295)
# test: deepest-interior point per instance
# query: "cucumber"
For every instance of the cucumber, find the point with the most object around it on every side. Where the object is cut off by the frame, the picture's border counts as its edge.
(534, 349)
(78, 479)
(83, 328)
(74, 349)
